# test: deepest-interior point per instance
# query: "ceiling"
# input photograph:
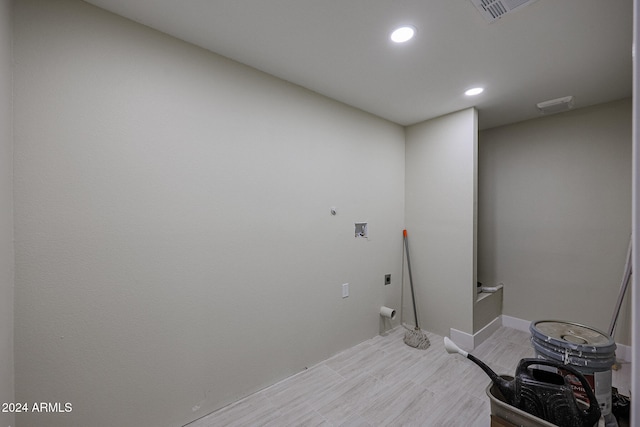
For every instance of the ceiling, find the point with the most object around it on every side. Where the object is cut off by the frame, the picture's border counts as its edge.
(341, 49)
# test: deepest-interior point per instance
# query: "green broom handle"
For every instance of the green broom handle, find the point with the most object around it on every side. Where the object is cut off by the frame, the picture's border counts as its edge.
(413, 297)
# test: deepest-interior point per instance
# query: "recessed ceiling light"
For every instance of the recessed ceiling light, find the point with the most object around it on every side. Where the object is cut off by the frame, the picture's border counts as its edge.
(403, 34)
(474, 91)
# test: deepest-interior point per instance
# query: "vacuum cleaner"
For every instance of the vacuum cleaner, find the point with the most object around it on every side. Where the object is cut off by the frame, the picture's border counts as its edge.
(542, 393)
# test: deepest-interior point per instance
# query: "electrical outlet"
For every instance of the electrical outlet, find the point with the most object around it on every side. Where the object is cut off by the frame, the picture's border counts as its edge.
(387, 279)
(362, 230)
(345, 290)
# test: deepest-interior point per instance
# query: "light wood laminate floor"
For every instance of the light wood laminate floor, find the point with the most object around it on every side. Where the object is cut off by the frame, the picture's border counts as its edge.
(384, 382)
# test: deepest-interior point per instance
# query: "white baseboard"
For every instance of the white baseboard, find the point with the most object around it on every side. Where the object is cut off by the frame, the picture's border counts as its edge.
(484, 333)
(468, 341)
(462, 339)
(623, 352)
(515, 323)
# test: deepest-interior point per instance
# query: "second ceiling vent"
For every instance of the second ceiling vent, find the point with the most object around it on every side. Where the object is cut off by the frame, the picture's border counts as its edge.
(496, 9)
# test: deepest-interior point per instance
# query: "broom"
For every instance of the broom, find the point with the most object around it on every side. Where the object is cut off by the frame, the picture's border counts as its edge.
(413, 338)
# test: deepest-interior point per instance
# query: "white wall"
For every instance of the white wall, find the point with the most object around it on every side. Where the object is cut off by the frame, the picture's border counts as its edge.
(554, 214)
(6, 212)
(174, 244)
(440, 212)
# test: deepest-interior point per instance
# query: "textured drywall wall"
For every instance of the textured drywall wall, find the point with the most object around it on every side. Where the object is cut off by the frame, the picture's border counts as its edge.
(175, 249)
(6, 213)
(555, 214)
(486, 310)
(440, 211)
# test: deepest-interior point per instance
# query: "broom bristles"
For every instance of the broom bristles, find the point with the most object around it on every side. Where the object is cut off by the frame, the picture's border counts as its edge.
(417, 339)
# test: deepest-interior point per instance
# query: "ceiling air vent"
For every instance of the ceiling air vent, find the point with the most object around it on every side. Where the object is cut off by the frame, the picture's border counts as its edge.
(553, 106)
(496, 9)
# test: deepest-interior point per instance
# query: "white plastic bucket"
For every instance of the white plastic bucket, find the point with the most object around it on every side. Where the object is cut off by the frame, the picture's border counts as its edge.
(588, 350)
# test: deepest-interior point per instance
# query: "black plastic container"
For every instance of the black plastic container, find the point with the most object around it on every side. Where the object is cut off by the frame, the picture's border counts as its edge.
(546, 395)
(549, 396)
